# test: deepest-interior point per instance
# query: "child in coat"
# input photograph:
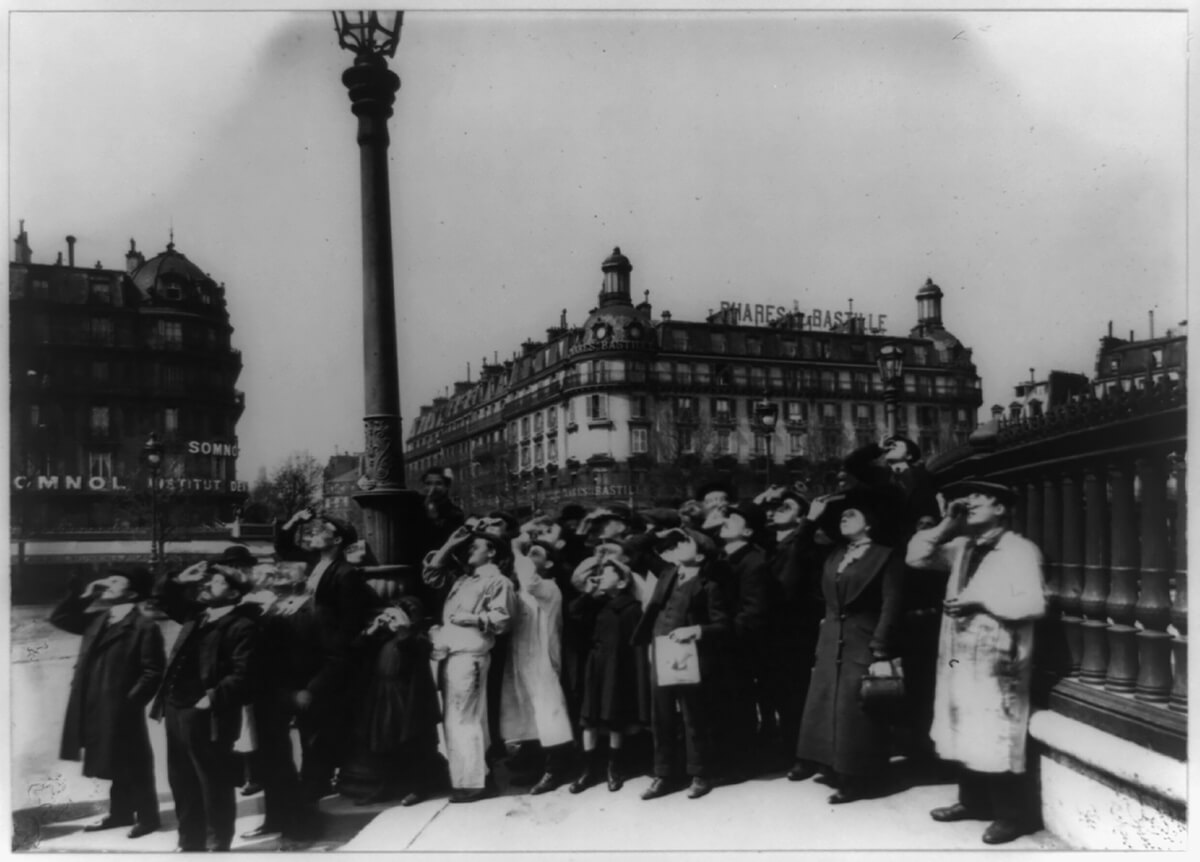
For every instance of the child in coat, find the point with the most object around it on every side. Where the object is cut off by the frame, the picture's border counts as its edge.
(399, 711)
(616, 681)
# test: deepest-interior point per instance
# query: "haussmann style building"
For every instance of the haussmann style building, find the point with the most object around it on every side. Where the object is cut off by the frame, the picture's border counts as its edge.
(640, 409)
(99, 359)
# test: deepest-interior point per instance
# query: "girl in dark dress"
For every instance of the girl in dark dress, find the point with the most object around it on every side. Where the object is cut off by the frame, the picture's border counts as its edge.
(399, 712)
(862, 586)
(615, 682)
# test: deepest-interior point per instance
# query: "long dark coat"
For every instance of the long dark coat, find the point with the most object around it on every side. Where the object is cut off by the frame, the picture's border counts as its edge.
(862, 612)
(616, 690)
(399, 701)
(118, 671)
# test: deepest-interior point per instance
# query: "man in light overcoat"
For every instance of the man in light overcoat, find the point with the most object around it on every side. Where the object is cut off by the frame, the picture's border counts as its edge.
(981, 703)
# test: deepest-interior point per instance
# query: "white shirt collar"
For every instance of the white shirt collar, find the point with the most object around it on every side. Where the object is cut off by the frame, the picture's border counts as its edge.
(213, 614)
(118, 612)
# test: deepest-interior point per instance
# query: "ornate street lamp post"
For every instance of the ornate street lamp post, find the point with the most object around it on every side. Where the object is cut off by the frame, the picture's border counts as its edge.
(152, 455)
(891, 372)
(766, 417)
(387, 506)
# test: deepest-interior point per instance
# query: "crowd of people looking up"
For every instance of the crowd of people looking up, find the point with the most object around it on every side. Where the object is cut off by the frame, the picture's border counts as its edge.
(703, 644)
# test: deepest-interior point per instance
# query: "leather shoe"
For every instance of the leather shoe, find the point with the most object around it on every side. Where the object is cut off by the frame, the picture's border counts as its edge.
(411, 799)
(106, 823)
(261, 832)
(845, 795)
(472, 795)
(615, 780)
(545, 784)
(1003, 831)
(955, 812)
(659, 787)
(140, 829)
(700, 787)
(801, 772)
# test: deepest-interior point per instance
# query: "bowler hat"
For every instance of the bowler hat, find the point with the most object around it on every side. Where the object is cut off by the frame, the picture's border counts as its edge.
(342, 529)
(662, 519)
(235, 555)
(140, 578)
(1002, 493)
(675, 537)
(753, 515)
(708, 487)
(571, 512)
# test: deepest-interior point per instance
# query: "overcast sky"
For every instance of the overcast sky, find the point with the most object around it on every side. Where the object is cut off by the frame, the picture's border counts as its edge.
(1032, 163)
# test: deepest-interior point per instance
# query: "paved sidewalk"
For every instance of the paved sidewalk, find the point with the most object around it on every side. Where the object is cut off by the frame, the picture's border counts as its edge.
(770, 814)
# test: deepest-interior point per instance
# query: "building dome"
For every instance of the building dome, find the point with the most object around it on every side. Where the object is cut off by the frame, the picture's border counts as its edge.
(170, 275)
(616, 262)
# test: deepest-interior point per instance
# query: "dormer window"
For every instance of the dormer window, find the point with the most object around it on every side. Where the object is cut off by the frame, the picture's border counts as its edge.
(172, 291)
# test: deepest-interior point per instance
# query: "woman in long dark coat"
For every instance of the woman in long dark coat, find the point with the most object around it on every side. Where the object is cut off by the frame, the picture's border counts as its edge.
(862, 587)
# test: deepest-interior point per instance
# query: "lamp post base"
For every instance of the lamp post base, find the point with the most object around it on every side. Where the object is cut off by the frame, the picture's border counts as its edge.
(394, 524)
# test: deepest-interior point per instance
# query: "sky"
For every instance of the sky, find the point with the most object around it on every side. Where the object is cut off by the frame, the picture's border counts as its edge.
(1033, 163)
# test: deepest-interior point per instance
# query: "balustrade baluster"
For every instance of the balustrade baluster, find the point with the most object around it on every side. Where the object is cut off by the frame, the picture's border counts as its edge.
(1094, 666)
(1123, 587)
(1070, 594)
(1054, 650)
(1179, 644)
(1154, 598)
(1018, 517)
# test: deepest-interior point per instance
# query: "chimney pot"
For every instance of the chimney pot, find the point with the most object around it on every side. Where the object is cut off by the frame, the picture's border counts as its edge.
(70, 251)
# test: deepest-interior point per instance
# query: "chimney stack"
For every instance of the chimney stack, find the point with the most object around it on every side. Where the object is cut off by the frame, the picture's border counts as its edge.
(23, 253)
(70, 251)
(1152, 323)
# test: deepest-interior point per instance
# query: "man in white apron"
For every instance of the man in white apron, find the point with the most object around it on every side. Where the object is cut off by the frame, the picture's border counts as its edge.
(981, 704)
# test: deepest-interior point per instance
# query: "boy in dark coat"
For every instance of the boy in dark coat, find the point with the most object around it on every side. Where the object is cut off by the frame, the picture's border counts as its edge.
(120, 666)
(210, 677)
(688, 606)
(616, 676)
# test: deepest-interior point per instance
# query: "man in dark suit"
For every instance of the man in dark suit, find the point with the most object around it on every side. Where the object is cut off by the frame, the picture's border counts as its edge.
(754, 597)
(210, 677)
(688, 606)
(341, 606)
(119, 669)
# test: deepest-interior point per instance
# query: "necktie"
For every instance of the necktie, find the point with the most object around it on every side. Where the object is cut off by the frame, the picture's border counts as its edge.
(975, 555)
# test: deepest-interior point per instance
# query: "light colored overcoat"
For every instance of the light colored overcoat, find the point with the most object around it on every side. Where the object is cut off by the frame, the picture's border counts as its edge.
(981, 703)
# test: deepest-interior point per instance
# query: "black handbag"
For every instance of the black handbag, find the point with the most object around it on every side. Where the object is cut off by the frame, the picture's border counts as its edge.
(883, 694)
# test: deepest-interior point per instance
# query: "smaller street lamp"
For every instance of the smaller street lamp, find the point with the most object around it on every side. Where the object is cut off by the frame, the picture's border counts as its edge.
(152, 455)
(891, 372)
(766, 417)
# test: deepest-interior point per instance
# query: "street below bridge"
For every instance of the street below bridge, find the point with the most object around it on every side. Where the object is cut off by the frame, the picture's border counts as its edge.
(52, 801)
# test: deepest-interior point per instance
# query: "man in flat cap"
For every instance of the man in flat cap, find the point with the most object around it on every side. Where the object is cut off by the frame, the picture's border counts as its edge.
(120, 666)
(981, 704)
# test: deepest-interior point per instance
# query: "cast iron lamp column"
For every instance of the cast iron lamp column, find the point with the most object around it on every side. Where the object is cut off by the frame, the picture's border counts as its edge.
(766, 417)
(152, 454)
(387, 506)
(891, 371)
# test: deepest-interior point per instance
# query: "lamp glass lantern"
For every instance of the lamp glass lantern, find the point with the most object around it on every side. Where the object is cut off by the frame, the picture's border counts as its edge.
(891, 363)
(368, 35)
(152, 452)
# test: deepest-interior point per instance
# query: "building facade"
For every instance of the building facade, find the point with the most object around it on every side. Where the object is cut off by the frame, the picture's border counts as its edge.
(339, 484)
(629, 407)
(99, 359)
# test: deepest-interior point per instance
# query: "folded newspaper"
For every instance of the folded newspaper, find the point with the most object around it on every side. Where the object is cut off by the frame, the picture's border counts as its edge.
(675, 663)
